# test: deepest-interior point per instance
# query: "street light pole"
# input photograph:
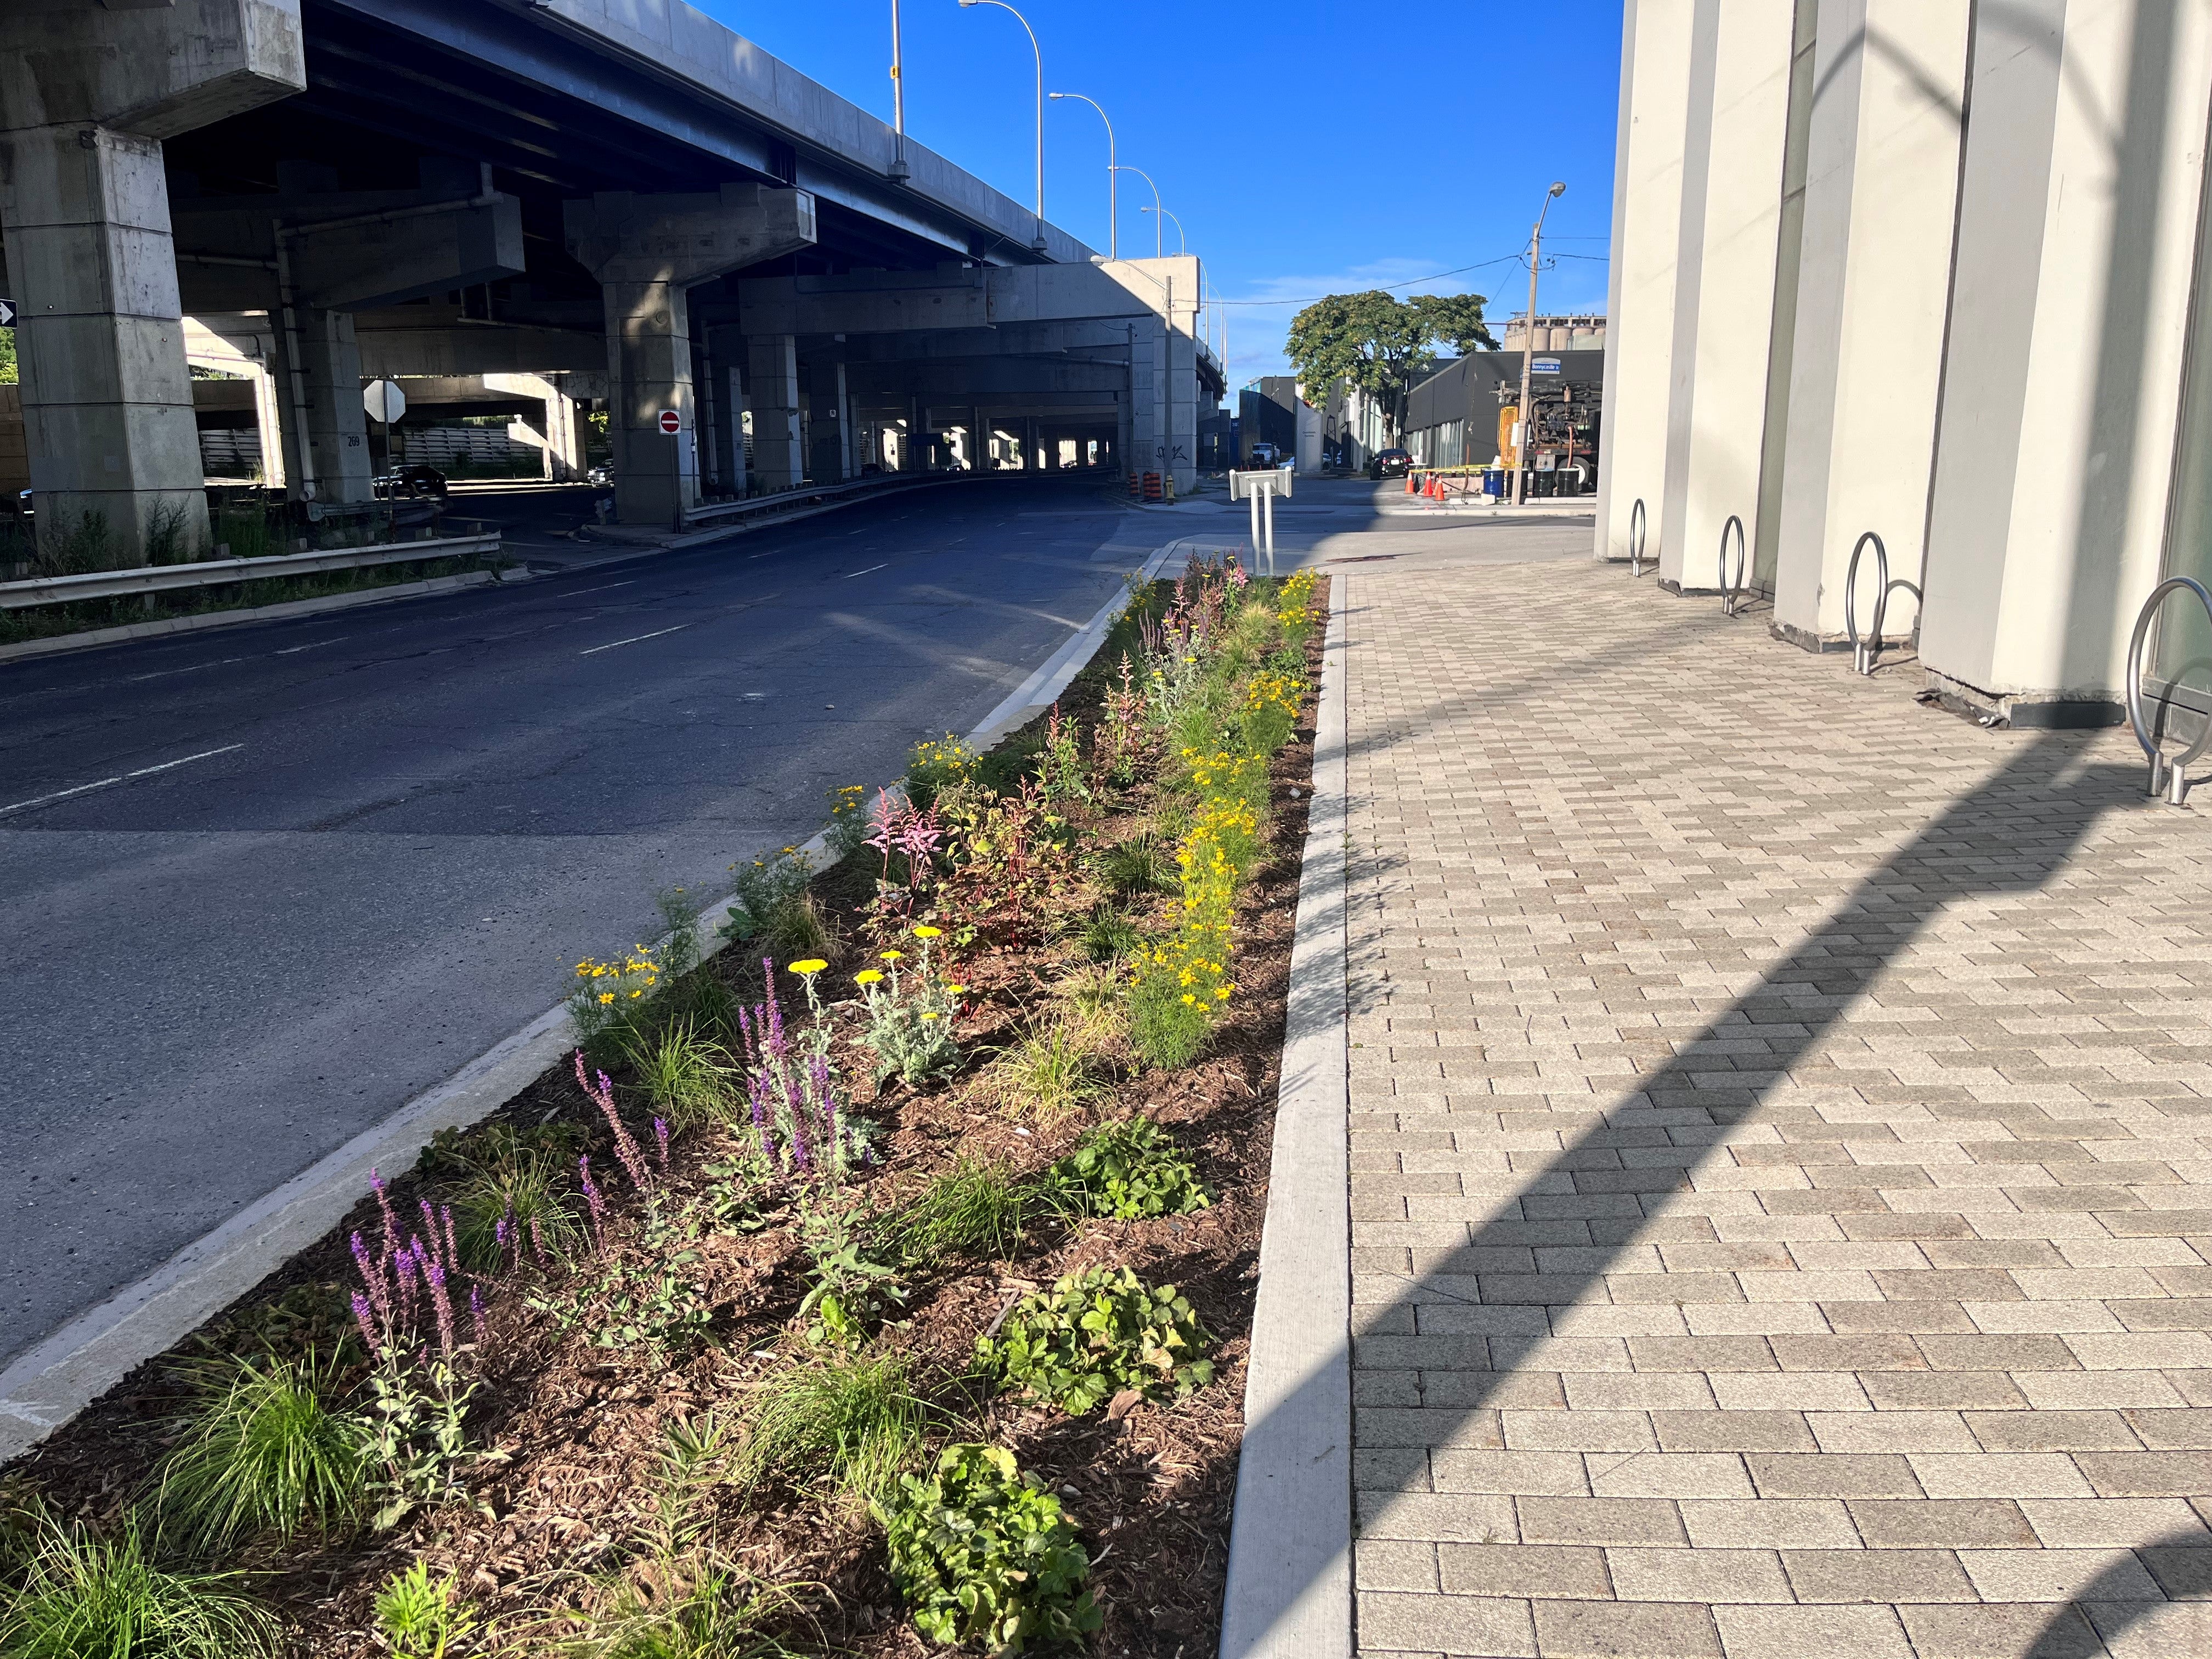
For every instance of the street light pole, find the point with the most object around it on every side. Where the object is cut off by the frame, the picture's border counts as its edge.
(1521, 458)
(1113, 210)
(1158, 235)
(1036, 242)
(899, 101)
(1182, 243)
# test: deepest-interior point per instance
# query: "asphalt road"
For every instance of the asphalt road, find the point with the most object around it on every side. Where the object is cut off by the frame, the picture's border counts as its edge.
(264, 884)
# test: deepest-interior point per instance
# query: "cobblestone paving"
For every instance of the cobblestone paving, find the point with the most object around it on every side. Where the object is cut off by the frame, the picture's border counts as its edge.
(1781, 1119)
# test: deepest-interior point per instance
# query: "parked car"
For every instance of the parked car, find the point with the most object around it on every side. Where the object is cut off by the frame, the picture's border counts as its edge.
(419, 479)
(1390, 463)
(602, 475)
(1265, 455)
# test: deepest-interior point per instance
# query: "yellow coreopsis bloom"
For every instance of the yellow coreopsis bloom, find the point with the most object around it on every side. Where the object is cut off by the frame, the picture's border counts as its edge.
(809, 968)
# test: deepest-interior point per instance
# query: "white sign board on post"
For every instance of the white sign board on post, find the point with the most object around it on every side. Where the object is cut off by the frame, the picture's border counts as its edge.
(1260, 488)
(384, 401)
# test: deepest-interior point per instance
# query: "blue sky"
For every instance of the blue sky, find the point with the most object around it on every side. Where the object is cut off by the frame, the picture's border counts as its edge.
(1308, 149)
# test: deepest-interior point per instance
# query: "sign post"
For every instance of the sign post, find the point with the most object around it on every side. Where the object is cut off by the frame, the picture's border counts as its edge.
(1260, 488)
(385, 403)
(7, 314)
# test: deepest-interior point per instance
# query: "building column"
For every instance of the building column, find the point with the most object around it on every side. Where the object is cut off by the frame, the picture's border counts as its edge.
(772, 377)
(106, 396)
(979, 440)
(828, 456)
(1732, 186)
(724, 398)
(1647, 208)
(321, 417)
(1873, 265)
(648, 252)
(910, 448)
(2081, 199)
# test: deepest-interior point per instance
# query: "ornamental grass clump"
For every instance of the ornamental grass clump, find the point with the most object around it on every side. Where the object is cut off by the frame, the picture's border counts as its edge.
(687, 1080)
(83, 1595)
(984, 1553)
(973, 1209)
(1095, 1334)
(851, 1421)
(1129, 1171)
(911, 1013)
(264, 1449)
(1051, 1072)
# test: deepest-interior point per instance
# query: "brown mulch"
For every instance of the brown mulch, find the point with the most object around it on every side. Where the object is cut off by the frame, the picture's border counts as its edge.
(575, 1432)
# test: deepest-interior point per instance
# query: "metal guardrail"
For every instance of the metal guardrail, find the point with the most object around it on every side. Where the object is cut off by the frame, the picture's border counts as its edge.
(2166, 771)
(1732, 593)
(211, 572)
(1866, 650)
(1636, 527)
(794, 500)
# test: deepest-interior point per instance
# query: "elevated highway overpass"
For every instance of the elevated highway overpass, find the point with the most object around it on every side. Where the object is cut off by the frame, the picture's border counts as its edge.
(620, 198)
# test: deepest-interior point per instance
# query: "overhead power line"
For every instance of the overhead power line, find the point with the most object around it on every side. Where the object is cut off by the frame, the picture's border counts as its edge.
(1415, 282)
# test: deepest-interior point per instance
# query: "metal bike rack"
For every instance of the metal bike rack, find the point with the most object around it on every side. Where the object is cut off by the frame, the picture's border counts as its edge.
(1636, 527)
(1866, 650)
(1732, 594)
(2166, 772)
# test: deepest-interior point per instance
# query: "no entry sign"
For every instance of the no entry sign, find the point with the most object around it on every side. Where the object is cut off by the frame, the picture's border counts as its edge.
(670, 421)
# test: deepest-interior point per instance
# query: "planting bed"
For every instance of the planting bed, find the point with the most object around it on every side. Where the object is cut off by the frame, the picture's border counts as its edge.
(573, 1520)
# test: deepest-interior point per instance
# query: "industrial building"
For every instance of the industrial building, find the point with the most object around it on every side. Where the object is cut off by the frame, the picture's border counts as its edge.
(1933, 272)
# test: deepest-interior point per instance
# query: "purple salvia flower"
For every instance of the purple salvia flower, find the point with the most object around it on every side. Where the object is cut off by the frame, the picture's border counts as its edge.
(372, 1277)
(443, 1304)
(453, 1246)
(745, 1029)
(362, 1316)
(383, 1204)
(626, 1148)
(592, 1200)
(402, 1267)
(477, 1319)
(537, 1242)
(756, 1089)
(660, 1134)
(429, 1227)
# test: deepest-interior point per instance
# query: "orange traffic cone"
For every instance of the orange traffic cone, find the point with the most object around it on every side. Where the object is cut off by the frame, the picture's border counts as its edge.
(1413, 482)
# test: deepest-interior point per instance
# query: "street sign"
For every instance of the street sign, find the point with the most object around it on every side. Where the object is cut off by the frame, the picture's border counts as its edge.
(7, 314)
(670, 421)
(1260, 488)
(1545, 366)
(384, 401)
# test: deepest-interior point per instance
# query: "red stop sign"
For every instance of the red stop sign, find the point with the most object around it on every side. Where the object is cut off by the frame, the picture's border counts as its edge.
(671, 421)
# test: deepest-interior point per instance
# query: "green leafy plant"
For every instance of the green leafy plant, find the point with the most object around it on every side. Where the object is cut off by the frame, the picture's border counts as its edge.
(420, 1617)
(85, 1596)
(1130, 1171)
(659, 1299)
(910, 1016)
(850, 1288)
(1110, 935)
(1095, 1334)
(852, 1420)
(972, 1209)
(983, 1553)
(417, 1436)
(263, 1451)
(1059, 760)
(765, 887)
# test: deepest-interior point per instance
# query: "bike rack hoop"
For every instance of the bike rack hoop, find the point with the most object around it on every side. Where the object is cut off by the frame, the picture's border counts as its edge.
(1636, 529)
(1732, 593)
(2166, 772)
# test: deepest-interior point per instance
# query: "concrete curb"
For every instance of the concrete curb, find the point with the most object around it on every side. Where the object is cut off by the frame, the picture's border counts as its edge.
(90, 637)
(1289, 1595)
(46, 1387)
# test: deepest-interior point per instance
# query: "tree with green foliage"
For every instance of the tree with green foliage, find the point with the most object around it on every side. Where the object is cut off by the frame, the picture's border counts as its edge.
(6, 357)
(1380, 343)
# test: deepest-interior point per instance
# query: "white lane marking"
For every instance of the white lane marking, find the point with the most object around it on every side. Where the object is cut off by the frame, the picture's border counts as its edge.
(602, 588)
(862, 531)
(165, 673)
(143, 772)
(632, 640)
(849, 574)
(313, 645)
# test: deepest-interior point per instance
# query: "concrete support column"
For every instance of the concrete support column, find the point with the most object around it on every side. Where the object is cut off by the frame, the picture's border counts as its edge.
(648, 252)
(979, 441)
(268, 426)
(107, 398)
(564, 435)
(828, 450)
(910, 450)
(2079, 195)
(772, 377)
(1647, 229)
(1732, 182)
(725, 400)
(1874, 263)
(317, 365)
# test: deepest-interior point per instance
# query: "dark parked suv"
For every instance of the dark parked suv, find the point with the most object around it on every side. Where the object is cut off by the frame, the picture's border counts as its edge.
(1390, 463)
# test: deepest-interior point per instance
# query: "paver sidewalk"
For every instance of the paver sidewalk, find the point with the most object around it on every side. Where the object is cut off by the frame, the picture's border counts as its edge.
(1781, 1119)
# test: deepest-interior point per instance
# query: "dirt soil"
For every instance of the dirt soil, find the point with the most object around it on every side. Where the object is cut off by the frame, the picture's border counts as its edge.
(574, 1431)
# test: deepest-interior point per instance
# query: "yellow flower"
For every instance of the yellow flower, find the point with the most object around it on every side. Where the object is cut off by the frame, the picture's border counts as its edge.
(955, 989)
(866, 977)
(809, 968)
(927, 931)
(928, 1016)
(888, 956)
(605, 997)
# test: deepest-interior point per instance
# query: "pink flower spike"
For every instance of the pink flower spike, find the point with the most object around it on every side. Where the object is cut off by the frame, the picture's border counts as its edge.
(661, 1133)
